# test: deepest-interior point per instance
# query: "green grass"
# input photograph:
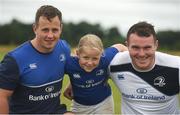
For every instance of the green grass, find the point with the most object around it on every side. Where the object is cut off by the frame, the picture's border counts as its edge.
(4, 49)
(116, 94)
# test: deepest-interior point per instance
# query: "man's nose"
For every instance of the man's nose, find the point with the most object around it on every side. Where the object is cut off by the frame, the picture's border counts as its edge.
(141, 52)
(50, 34)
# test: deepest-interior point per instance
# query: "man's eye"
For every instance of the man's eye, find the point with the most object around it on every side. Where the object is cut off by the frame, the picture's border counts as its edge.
(147, 48)
(135, 48)
(55, 30)
(45, 30)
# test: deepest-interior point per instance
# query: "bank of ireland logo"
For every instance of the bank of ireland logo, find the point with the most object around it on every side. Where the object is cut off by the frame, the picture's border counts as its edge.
(62, 57)
(89, 81)
(159, 81)
(141, 90)
(49, 89)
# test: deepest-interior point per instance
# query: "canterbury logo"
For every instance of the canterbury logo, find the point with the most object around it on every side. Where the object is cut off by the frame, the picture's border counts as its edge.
(33, 66)
(76, 76)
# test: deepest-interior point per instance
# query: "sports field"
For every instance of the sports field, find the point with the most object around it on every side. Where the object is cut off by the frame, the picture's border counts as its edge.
(116, 94)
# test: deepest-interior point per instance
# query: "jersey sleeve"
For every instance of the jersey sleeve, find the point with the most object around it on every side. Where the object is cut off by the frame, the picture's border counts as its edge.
(67, 48)
(9, 73)
(108, 55)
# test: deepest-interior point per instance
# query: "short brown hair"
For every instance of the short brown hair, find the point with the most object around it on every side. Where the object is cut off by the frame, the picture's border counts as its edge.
(49, 12)
(142, 29)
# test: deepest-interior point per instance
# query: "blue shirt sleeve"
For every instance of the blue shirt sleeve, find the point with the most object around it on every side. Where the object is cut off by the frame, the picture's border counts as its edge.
(9, 73)
(67, 47)
(108, 55)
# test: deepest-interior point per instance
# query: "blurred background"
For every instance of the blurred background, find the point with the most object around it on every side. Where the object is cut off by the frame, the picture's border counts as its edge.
(109, 19)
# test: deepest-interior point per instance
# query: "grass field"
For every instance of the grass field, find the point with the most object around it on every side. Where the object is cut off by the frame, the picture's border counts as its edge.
(116, 94)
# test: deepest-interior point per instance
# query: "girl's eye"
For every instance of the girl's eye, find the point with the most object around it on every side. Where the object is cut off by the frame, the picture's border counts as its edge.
(86, 58)
(94, 59)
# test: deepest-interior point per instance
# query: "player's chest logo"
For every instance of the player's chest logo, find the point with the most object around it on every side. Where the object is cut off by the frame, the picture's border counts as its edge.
(33, 66)
(159, 81)
(120, 77)
(49, 89)
(76, 76)
(99, 72)
(62, 57)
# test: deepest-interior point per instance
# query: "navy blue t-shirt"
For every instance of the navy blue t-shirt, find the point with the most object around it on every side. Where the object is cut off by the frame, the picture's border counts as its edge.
(90, 88)
(36, 78)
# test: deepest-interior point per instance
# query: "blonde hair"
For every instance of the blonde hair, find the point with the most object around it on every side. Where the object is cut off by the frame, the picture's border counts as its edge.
(90, 41)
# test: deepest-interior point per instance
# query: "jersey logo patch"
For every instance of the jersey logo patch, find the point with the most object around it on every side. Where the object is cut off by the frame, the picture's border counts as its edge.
(33, 66)
(49, 89)
(62, 57)
(120, 76)
(141, 90)
(76, 75)
(100, 72)
(159, 81)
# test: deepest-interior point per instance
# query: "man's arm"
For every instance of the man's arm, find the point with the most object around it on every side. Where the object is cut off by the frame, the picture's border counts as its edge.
(9, 76)
(4, 95)
(120, 47)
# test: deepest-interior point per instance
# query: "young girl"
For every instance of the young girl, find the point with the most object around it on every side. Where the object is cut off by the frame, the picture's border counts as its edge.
(88, 73)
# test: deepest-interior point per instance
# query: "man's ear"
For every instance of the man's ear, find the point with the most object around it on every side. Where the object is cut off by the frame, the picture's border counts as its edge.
(34, 26)
(156, 44)
(126, 43)
(61, 27)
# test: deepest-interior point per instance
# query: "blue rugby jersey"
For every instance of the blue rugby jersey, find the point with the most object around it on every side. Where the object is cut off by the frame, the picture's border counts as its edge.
(35, 77)
(90, 88)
